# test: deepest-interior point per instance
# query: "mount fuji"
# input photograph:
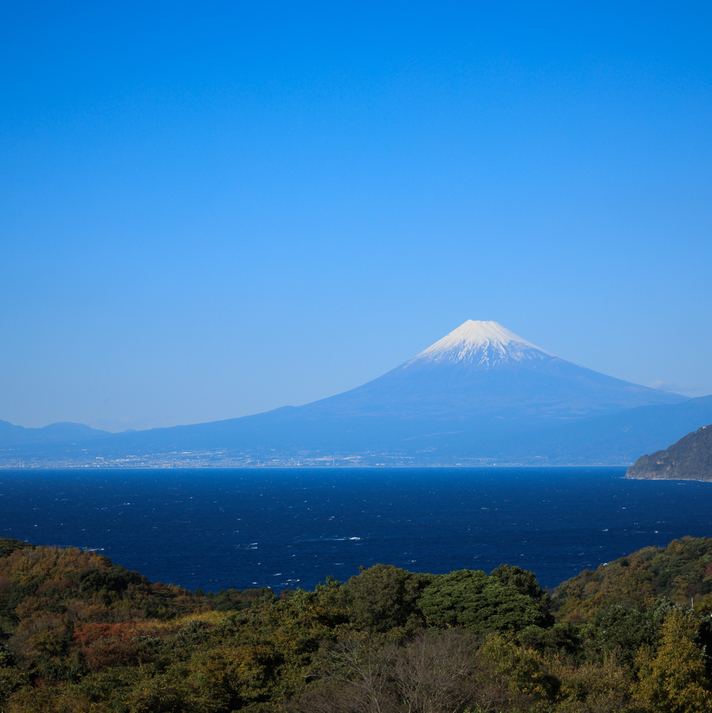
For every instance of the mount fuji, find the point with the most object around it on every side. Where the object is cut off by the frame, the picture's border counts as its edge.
(483, 369)
(479, 395)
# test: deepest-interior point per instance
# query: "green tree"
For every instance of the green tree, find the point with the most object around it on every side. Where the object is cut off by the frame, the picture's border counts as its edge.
(484, 604)
(384, 597)
(521, 579)
(623, 631)
(675, 679)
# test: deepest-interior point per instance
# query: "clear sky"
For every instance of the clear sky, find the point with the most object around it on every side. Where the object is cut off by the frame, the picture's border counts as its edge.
(213, 209)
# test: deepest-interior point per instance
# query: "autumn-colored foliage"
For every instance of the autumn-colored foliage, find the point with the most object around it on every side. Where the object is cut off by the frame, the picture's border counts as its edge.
(681, 571)
(79, 633)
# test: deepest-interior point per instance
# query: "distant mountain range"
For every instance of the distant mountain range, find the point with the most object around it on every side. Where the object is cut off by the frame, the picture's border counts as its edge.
(690, 458)
(480, 395)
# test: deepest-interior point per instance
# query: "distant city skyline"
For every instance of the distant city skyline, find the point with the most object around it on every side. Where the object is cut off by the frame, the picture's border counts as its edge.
(213, 211)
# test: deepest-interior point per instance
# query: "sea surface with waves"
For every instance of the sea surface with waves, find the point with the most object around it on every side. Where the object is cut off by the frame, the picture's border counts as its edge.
(289, 528)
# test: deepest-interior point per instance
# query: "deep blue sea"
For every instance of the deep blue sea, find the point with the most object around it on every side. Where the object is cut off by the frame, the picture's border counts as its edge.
(289, 528)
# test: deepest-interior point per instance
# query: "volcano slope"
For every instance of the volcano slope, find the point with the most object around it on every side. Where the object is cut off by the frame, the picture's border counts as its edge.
(479, 395)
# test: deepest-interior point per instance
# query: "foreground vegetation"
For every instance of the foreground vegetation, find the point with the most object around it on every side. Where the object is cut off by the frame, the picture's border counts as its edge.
(81, 634)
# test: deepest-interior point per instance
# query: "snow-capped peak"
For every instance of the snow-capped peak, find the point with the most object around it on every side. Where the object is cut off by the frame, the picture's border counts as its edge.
(481, 343)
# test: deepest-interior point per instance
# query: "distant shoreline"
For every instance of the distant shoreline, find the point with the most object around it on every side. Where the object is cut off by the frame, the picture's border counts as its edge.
(319, 466)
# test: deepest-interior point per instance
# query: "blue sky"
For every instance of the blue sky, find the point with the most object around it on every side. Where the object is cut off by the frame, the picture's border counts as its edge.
(215, 209)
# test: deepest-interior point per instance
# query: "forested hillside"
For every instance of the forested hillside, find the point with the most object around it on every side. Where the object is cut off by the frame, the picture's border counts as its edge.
(80, 633)
(682, 571)
(690, 458)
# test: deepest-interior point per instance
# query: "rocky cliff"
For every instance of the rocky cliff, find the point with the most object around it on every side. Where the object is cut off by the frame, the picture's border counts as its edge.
(688, 459)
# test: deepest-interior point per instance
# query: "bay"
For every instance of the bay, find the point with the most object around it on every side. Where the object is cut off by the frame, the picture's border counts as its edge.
(289, 528)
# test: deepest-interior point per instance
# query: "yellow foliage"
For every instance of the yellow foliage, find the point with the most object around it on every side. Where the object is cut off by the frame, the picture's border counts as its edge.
(594, 687)
(527, 670)
(674, 680)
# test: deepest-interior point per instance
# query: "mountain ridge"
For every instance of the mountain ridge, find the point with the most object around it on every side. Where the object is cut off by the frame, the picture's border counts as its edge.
(480, 394)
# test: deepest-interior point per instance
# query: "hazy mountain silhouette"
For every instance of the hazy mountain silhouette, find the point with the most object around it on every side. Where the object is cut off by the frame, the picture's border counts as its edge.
(54, 433)
(481, 392)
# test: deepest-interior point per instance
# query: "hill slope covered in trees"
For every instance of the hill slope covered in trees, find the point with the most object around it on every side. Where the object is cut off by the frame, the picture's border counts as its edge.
(79, 633)
(690, 458)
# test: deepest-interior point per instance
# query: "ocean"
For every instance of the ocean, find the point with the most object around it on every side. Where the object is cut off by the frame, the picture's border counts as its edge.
(288, 528)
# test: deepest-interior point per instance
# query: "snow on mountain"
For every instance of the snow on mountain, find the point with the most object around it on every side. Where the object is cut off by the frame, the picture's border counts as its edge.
(481, 343)
(479, 394)
(483, 370)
